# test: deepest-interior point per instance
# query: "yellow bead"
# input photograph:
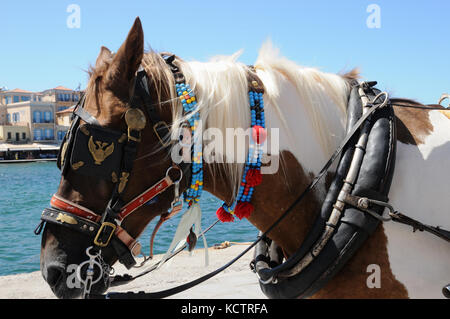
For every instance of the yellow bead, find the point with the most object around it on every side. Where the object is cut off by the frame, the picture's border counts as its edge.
(185, 92)
(188, 101)
(200, 183)
(193, 98)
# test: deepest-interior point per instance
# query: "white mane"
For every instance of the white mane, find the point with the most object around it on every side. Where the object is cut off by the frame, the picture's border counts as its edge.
(222, 95)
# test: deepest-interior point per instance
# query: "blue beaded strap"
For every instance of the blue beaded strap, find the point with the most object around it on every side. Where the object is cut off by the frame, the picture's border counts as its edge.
(253, 163)
(189, 102)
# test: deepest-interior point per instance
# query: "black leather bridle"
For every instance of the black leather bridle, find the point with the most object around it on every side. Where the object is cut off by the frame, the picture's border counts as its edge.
(119, 161)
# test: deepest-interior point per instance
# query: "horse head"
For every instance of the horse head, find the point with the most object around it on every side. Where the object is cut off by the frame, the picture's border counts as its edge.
(108, 97)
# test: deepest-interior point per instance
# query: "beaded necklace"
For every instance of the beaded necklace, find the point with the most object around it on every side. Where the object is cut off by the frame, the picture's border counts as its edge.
(242, 208)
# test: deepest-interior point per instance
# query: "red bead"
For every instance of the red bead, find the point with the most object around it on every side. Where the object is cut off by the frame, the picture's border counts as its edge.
(259, 134)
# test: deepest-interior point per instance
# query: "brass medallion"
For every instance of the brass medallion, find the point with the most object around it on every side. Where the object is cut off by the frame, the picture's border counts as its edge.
(135, 119)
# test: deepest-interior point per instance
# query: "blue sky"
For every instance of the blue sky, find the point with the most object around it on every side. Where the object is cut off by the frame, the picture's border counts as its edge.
(409, 55)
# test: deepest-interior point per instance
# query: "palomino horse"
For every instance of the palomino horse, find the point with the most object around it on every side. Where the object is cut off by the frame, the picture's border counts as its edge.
(308, 107)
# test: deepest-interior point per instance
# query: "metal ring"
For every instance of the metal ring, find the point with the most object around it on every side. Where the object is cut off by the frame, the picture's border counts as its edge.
(382, 104)
(181, 173)
(91, 255)
(95, 263)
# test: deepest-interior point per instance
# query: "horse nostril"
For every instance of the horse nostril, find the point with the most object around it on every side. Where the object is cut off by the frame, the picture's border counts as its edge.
(54, 275)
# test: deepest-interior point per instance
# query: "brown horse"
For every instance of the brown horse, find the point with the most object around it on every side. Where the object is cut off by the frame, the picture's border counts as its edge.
(309, 107)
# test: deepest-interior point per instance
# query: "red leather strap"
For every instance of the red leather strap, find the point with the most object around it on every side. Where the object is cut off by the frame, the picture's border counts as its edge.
(133, 245)
(130, 242)
(70, 207)
(134, 204)
(146, 196)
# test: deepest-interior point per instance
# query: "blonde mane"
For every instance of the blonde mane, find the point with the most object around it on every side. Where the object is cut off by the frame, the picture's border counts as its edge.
(222, 96)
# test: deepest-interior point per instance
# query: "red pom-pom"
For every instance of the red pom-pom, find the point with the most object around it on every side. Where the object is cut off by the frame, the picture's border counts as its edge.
(253, 177)
(224, 216)
(259, 134)
(243, 210)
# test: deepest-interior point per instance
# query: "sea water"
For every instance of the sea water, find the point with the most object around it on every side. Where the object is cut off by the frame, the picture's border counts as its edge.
(26, 188)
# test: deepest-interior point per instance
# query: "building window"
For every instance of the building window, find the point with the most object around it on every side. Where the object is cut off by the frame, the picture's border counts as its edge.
(15, 99)
(49, 134)
(7, 99)
(37, 134)
(75, 98)
(25, 98)
(62, 108)
(61, 135)
(48, 117)
(8, 118)
(36, 117)
(16, 117)
(24, 136)
(9, 135)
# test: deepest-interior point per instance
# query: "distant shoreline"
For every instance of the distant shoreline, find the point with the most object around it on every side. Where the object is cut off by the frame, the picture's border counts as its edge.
(27, 160)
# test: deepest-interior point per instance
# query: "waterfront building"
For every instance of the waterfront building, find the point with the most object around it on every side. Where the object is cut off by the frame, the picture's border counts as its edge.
(63, 119)
(31, 116)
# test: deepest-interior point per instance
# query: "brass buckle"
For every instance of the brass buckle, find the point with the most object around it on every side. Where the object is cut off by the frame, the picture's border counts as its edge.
(97, 237)
(132, 138)
(155, 129)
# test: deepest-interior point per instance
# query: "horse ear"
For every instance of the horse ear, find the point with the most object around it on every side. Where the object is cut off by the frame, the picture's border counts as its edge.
(127, 59)
(103, 56)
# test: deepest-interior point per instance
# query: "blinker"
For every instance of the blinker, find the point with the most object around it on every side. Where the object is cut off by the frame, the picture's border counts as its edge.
(97, 151)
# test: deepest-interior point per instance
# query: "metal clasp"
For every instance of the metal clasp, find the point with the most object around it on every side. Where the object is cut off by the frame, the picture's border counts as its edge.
(364, 203)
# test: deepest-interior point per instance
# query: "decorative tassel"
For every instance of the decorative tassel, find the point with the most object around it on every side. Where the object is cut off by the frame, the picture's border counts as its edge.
(193, 216)
(224, 216)
(243, 210)
(253, 177)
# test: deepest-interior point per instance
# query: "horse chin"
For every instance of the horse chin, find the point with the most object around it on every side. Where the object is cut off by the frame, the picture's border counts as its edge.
(63, 291)
(59, 263)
